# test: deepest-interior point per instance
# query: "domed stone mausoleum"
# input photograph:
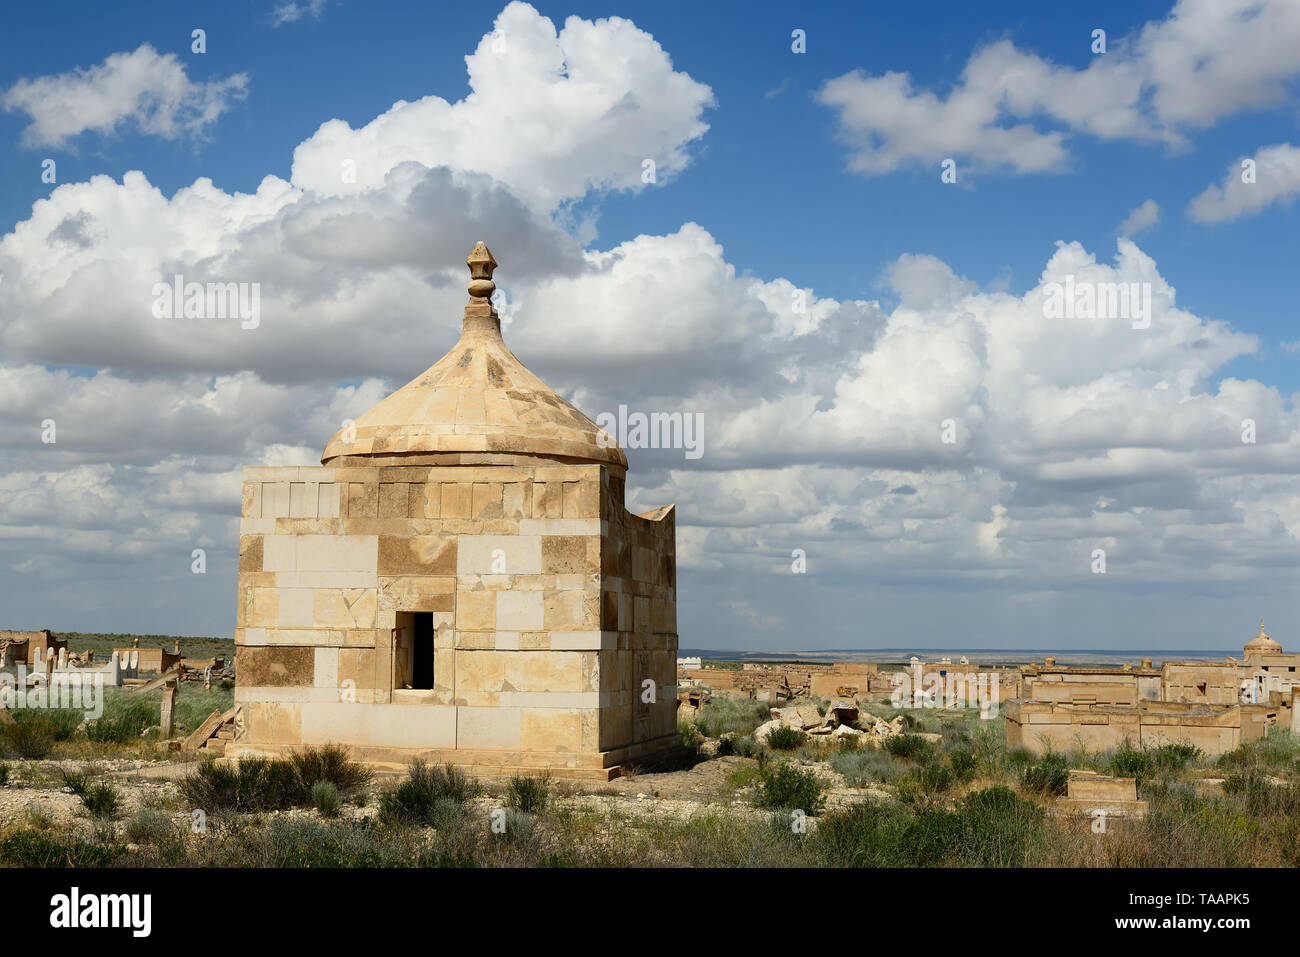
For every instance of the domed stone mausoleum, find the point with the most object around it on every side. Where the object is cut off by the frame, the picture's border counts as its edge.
(459, 580)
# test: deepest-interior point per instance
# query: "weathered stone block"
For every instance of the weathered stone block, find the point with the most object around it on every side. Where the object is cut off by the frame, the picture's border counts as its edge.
(551, 729)
(457, 500)
(499, 555)
(275, 667)
(417, 555)
(476, 611)
(363, 500)
(394, 499)
(519, 611)
(250, 553)
(487, 500)
(356, 665)
(517, 500)
(496, 729)
(564, 554)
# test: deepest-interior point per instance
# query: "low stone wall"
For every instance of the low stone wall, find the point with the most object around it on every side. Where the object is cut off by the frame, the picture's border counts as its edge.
(1038, 725)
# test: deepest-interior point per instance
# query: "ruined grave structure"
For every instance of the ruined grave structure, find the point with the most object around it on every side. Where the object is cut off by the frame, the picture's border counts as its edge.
(459, 580)
(1216, 706)
(28, 647)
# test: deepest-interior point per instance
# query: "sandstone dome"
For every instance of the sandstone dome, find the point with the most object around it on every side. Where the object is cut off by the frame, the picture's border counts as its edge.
(1262, 643)
(477, 405)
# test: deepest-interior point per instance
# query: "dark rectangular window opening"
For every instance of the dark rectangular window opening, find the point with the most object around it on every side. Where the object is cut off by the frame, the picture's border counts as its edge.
(422, 651)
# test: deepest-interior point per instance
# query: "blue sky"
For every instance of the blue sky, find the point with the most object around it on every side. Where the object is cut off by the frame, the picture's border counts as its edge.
(768, 180)
(771, 184)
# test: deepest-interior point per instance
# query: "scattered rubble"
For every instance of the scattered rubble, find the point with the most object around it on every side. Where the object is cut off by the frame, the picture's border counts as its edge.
(211, 736)
(842, 719)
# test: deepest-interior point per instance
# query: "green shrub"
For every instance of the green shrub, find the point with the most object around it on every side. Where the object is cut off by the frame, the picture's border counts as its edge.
(745, 775)
(850, 744)
(923, 786)
(76, 781)
(910, 746)
(126, 725)
(252, 784)
(1191, 833)
(329, 762)
(1002, 829)
(30, 739)
(1129, 762)
(1020, 756)
(692, 737)
(325, 798)
(528, 794)
(867, 834)
(28, 848)
(1050, 776)
(259, 784)
(215, 787)
(785, 738)
(149, 826)
(745, 746)
(308, 842)
(956, 738)
(989, 828)
(865, 767)
(520, 826)
(62, 723)
(963, 763)
(934, 837)
(427, 793)
(935, 777)
(1280, 749)
(722, 715)
(792, 788)
(1175, 757)
(1261, 796)
(100, 799)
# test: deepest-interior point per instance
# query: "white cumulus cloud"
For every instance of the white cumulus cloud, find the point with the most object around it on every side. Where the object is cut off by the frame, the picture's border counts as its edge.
(1272, 175)
(551, 115)
(1142, 217)
(143, 87)
(1014, 110)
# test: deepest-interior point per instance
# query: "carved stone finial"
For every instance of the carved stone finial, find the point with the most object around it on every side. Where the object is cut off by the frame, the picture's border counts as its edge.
(481, 264)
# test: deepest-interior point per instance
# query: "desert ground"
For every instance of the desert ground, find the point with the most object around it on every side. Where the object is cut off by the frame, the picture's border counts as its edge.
(939, 788)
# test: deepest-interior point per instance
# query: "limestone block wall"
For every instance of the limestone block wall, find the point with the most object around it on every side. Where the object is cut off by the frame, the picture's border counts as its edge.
(1037, 725)
(713, 677)
(1065, 687)
(507, 560)
(638, 612)
(1202, 682)
(826, 685)
(150, 659)
(1274, 672)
